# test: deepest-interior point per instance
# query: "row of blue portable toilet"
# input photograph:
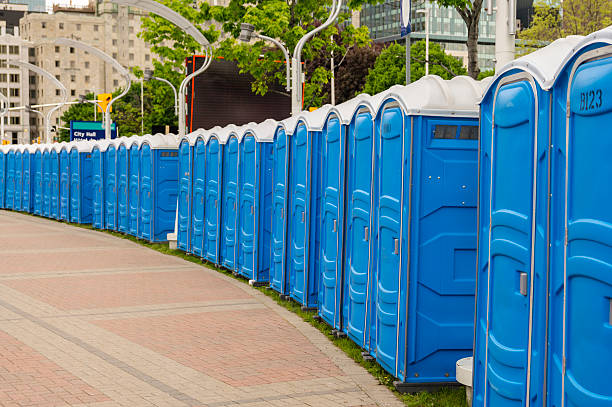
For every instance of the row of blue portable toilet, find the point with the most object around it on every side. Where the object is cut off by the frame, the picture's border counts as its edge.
(543, 333)
(127, 185)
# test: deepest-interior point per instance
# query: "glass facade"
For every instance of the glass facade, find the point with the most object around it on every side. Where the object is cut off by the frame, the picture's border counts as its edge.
(33, 5)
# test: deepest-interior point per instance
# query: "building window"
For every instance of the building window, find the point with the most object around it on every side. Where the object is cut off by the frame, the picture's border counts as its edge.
(14, 92)
(72, 50)
(86, 78)
(72, 92)
(3, 78)
(61, 26)
(114, 55)
(31, 52)
(131, 30)
(72, 78)
(14, 137)
(131, 57)
(95, 27)
(32, 121)
(72, 64)
(131, 43)
(114, 43)
(86, 64)
(147, 57)
(115, 83)
(57, 77)
(2, 63)
(2, 49)
(15, 120)
(57, 64)
(114, 28)
(14, 49)
(78, 27)
(32, 79)
(14, 78)
(44, 25)
(57, 92)
(56, 49)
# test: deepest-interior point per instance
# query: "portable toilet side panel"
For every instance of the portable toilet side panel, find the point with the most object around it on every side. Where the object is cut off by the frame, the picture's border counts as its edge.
(229, 206)
(332, 204)
(37, 183)
(98, 188)
(183, 237)
(64, 201)
(134, 195)
(511, 281)
(165, 193)
(358, 228)
(146, 186)
(123, 208)
(264, 213)
(2, 178)
(81, 186)
(55, 180)
(10, 179)
(280, 173)
(248, 192)
(213, 165)
(581, 272)
(26, 183)
(46, 159)
(110, 182)
(75, 188)
(199, 196)
(18, 180)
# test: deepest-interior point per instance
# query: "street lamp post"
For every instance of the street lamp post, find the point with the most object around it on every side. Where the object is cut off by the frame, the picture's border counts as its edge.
(53, 79)
(38, 112)
(425, 12)
(106, 58)
(181, 22)
(148, 75)
(83, 99)
(4, 108)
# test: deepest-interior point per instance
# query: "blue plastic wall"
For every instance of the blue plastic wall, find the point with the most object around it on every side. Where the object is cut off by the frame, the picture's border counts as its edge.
(64, 201)
(10, 180)
(3, 159)
(98, 188)
(81, 187)
(213, 196)
(123, 207)
(199, 194)
(185, 158)
(46, 160)
(229, 206)
(18, 181)
(54, 185)
(37, 183)
(26, 181)
(110, 183)
(280, 174)
(134, 195)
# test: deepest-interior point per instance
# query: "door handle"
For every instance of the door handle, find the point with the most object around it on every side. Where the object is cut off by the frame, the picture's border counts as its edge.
(215, 203)
(366, 236)
(303, 216)
(523, 283)
(335, 225)
(251, 209)
(234, 205)
(396, 246)
(282, 213)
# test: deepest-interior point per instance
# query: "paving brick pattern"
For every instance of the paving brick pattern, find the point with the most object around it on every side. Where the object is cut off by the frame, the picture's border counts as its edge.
(88, 319)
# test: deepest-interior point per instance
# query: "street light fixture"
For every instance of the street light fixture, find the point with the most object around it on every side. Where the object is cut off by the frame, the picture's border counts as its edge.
(425, 12)
(4, 109)
(247, 31)
(83, 99)
(106, 58)
(148, 75)
(185, 25)
(53, 79)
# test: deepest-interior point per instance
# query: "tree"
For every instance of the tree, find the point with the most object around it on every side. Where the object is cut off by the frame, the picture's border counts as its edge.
(390, 67)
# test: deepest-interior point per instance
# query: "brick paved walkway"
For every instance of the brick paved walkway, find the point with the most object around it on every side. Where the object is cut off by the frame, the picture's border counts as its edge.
(87, 319)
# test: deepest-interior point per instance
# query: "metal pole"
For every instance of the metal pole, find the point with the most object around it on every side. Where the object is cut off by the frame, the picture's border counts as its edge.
(285, 53)
(504, 33)
(107, 116)
(408, 59)
(333, 76)
(173, 90)
(142, 106)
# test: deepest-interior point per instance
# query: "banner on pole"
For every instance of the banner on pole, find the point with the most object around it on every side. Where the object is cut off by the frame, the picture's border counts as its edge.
(405, 18)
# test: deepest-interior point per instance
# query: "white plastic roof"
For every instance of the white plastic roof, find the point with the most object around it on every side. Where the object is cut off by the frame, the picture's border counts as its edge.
(102, 144)
(345, 110)
(315, 120)
(128, 141)
(85, 146)
(288, 124)
(263, 132)
(432, 95)
(161, 141)
(32, 148)
(190, 138)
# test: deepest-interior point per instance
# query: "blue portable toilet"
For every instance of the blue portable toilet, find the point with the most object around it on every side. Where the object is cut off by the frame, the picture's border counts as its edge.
(98, 183)
(158, 186)
(81, 182)
(3, 171)
(10, 177)
(228, 220)
(197, 227)
(212, 197)
(123, 183)
(37, 180)
(64, 186)
(54, 187)
(185, 192)
(134, 184)
(512, 271)
(424, 229)
(255, 180)
(18, 177)
(280, 177)
(46, 165)
(27, 171)
(110, 182)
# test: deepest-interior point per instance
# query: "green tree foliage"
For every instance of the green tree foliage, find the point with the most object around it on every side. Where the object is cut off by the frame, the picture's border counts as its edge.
(390, 67)
(556, 19)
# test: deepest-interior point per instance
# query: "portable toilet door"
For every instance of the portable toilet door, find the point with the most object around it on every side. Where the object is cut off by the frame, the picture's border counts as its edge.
(27, 175)
(185, 171)
(123, 206)
(255, 202)
(64, 160)
(110, 181)
(18, 178)
(280, 175)
(2, 176)
(229, 198)
(134, 181)
(55, 181)
(37, 181)
(98, 183)
(158, 187)
(46, 166)
(81, 182)
(580, 309)
(199, 195)
(213, 195)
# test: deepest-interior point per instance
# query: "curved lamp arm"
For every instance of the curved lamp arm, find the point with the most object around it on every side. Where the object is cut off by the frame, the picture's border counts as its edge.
(173, 90)
(4, 103)
(285, 52)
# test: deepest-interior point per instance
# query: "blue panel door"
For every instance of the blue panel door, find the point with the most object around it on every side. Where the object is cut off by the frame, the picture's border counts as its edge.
(510, 246)
(229, 203)
(110, 207)
(122, 190)
(46, 184)
(64, 185)
(134, 196)
(98, 189)
(248, 179)
(2, 179)
(587, 313)
(38, 180)
(213, 152)
(298, 216)
(75, 187)
(388, 245)
(331, 233)
(358, 226)
(18, 181)
(25, 183)
(199, 193)
(184, 196)
(146, 192)
(10, 179)
(54, 190)
(280, 173)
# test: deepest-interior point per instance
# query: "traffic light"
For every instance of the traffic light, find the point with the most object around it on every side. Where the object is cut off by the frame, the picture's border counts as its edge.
(103, 100)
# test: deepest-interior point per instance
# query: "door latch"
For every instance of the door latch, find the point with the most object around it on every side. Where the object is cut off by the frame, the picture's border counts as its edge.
(303, 216)
(396, 246)
(366, 236)
(282, 213)
(215, 203)
(252, 209)
(335, 225)
(523, 283)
